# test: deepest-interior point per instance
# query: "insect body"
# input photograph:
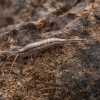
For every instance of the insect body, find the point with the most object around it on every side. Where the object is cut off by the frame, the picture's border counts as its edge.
(41, 45)
(46, 43)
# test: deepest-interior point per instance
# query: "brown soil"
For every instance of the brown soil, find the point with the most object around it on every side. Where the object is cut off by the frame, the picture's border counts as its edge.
(67, 72)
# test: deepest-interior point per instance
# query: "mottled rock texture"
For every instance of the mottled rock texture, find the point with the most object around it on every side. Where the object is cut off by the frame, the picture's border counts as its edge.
(67, 72)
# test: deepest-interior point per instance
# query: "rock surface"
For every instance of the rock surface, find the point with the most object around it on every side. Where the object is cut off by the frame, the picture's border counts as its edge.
(68, 72)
